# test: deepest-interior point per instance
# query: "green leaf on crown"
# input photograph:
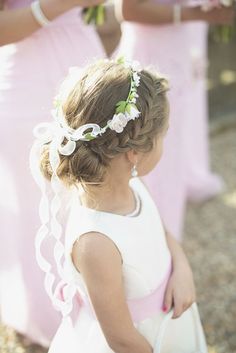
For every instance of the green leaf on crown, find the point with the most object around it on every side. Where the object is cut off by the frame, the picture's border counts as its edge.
(128, 108)
(121, 60)
(121, 107)
(89, 136)
(132, 95)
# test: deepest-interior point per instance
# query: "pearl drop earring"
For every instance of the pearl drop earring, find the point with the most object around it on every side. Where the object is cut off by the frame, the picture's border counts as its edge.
(134, 171)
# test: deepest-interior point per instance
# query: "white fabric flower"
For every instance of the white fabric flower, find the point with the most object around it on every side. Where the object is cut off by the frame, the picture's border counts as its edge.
(136, 66)
(136, 79)
(118, 122)
(133, 113)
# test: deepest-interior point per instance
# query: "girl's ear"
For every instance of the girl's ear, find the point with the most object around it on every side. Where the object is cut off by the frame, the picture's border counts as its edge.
(132, 157)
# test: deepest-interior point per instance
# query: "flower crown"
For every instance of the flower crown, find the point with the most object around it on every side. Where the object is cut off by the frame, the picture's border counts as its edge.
(126, 110)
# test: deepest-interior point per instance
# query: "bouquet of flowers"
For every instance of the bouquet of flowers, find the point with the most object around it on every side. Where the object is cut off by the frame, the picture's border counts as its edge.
(95, 15)
(222, 32)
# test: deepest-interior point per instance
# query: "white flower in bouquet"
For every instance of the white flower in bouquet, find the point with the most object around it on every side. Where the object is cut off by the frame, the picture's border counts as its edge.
(227, 3)
(222, 33)
(210, 4)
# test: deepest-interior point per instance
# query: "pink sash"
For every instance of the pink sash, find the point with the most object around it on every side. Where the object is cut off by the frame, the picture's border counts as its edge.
(140, 308)
(150, 305)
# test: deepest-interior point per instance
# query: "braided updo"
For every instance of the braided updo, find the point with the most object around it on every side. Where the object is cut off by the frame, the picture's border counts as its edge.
(93, 99)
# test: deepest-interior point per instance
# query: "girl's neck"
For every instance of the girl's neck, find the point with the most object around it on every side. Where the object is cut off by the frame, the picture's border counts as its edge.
(113, 196)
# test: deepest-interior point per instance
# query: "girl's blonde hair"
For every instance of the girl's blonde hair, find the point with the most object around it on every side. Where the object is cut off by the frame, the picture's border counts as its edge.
(93, 99)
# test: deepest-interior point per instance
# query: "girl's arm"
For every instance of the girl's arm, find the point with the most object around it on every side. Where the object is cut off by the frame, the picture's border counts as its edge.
(148, 12)
(99, 261)
(20, 23)
(180, 291)
(177, 252)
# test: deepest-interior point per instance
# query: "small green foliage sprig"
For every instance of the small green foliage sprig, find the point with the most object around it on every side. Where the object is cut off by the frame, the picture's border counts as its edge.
(221, 33)
(95, 15)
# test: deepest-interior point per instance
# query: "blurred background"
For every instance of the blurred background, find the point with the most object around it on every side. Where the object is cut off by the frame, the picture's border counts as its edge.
(210, 227)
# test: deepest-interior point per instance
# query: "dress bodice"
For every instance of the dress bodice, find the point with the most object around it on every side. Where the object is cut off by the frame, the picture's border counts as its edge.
(140, 239)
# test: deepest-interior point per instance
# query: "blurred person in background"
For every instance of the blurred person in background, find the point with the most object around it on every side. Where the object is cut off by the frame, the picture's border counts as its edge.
(172, 36)
(38, 43)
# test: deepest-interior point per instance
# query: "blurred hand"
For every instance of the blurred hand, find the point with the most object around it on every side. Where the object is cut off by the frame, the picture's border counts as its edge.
(180, 292)
(220, 16)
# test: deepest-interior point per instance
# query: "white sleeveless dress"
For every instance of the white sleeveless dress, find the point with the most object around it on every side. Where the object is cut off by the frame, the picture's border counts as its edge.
(146, 263)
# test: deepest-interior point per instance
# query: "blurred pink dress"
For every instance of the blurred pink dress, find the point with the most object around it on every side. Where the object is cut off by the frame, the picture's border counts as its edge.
(201, 183)
(30, 72)
(183, 173)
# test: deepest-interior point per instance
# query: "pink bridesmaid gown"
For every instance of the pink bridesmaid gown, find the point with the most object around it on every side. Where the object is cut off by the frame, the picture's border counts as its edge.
(183, 173)
(202, 184)
(30, 72)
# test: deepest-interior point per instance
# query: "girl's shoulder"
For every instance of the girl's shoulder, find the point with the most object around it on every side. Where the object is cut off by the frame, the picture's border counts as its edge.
(93, 250)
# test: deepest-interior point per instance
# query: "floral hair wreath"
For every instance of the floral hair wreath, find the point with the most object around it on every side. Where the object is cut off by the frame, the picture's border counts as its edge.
(126, 110)
(54, 134)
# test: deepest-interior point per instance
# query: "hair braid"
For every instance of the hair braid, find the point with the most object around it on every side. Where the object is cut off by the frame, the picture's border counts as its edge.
(93, 100)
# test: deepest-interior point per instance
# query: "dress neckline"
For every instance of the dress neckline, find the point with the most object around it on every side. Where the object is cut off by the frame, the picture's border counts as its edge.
(137, 209)
(134, 214)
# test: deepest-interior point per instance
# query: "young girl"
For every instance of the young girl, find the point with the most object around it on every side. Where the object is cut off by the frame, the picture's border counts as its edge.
(122, 271)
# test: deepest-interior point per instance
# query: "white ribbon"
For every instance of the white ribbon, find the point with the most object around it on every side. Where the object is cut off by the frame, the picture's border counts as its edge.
(48, 212)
